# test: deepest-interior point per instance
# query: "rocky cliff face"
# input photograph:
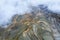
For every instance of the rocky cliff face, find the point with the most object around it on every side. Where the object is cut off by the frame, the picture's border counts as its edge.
(54, 19)
(55, 24)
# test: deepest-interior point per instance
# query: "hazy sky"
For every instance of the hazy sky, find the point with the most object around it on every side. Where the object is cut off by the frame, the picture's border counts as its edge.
(10, 7)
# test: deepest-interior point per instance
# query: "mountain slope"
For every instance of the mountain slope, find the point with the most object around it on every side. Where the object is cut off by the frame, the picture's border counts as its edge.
(40, 24)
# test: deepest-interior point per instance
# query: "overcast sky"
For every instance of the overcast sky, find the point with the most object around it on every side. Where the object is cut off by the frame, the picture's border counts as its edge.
(10, 7)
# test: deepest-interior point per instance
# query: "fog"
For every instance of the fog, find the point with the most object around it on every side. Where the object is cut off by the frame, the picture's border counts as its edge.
(8, 8)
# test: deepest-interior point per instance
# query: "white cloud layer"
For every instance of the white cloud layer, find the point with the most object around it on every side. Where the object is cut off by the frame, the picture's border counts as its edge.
(10, 7)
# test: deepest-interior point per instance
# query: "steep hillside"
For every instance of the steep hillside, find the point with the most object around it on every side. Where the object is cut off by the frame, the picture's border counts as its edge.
(30, 26)
(39, 24)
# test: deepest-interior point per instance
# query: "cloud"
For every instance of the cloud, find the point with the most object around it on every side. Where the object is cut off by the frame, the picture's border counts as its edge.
(10, 7)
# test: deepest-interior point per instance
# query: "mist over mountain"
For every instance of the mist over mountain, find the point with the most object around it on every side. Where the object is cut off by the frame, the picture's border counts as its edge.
(9, 8)
(42, 8)
(29, 20)
(40, 23)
